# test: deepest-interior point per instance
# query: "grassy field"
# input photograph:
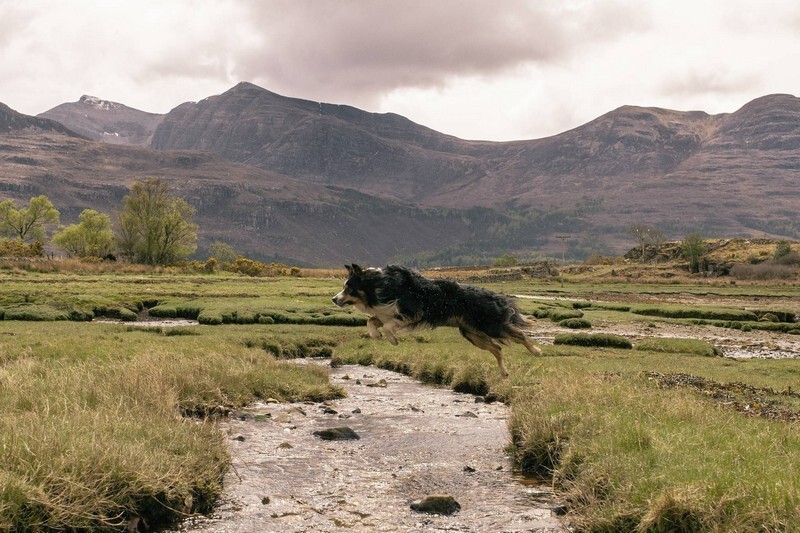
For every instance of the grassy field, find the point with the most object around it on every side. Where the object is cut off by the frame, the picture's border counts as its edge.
(102, 423)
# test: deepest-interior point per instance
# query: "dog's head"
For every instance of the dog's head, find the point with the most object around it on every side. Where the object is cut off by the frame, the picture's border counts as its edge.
(356, 287)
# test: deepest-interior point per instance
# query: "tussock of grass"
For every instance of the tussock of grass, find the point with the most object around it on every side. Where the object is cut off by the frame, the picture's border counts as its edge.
(601, 340)
(575, 323)
(686, 346)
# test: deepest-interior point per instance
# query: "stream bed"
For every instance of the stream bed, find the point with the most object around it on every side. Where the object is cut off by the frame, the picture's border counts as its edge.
(415, 440)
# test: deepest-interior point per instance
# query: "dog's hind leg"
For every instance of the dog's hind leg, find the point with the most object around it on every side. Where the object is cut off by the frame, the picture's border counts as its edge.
(484, 342)
(388, 329)
(517, 335)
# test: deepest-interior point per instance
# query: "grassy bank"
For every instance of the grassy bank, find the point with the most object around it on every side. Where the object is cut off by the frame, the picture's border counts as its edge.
(98, 423)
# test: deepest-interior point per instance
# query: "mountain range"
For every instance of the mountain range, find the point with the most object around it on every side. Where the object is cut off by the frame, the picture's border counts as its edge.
(318, 184)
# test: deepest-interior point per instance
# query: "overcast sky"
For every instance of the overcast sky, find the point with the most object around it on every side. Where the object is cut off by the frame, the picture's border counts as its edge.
(498, 70)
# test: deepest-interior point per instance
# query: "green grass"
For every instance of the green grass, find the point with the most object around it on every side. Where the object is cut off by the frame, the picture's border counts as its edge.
(686, 346)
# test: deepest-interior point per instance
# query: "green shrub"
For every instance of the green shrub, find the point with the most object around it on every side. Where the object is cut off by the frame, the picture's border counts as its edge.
(599, 340)
(542, 312)
(127, 315)
(575, 323)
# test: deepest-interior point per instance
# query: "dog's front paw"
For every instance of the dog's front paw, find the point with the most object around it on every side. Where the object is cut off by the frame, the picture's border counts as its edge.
(392, 339)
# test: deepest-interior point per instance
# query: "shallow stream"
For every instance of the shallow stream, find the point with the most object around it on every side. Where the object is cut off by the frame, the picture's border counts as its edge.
(415, 440)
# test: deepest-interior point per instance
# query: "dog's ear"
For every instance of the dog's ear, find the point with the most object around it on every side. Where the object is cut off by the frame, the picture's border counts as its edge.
(349, 269)
(355, 269)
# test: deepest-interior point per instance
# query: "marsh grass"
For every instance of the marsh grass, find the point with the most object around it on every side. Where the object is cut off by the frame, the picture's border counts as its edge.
(631, 456)
(685, 346)
(94, 422)
(606, 340)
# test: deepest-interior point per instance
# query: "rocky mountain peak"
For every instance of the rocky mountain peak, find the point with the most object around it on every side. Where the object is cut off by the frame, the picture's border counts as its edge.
(771, 122)
(99, 103)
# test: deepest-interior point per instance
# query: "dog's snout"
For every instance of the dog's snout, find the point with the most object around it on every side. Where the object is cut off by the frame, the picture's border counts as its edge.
(338, 300)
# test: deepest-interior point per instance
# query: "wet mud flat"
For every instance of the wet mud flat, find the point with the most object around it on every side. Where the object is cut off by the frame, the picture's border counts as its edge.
(415, 440)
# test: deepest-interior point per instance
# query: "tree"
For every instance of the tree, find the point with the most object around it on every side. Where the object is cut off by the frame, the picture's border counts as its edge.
(28, 223)
(91, 237)
(693, 247)
(154, 227)
(222, 252)
(645, 235)
(507, 260)
(782, 249)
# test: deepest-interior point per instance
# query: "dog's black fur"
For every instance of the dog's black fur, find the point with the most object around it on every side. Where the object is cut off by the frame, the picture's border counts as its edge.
(397, 297)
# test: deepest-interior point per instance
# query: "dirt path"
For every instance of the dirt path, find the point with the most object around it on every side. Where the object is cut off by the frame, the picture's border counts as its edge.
(415, 440)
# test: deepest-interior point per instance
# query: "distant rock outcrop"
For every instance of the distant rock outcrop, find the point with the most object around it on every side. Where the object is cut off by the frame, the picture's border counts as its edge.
(14, 122)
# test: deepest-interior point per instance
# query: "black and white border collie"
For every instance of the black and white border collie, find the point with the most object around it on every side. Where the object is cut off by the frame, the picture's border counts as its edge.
(397, 297)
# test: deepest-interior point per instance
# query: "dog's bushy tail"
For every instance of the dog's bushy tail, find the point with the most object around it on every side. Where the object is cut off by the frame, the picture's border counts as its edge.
(520, 320)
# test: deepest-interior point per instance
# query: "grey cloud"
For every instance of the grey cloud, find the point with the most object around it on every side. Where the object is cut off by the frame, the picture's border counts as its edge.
(14, 21)
(716, 81)
(351, 47)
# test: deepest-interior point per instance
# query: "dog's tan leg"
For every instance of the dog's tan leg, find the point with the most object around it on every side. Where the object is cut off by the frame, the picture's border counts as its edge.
(372, 327)
(484, 342)
(517, 335)
(389, 329)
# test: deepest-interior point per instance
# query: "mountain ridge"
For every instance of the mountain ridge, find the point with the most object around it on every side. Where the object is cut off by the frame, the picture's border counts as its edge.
(728, 174)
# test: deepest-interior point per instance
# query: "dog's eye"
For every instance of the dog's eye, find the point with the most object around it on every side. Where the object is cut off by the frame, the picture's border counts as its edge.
(351, 288)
